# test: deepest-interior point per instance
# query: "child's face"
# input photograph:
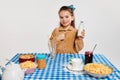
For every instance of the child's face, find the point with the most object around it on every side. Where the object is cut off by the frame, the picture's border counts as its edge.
(65, 18)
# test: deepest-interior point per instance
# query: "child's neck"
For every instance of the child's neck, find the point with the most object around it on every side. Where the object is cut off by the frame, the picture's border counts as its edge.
(66, 27)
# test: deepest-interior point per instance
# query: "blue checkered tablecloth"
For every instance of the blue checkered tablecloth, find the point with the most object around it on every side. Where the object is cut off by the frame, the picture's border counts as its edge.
(54, 68)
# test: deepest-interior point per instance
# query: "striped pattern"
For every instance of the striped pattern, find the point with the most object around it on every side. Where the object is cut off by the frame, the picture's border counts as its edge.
(54, 69)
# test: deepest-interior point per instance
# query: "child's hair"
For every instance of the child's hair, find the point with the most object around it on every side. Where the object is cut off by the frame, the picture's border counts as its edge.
(69, 9)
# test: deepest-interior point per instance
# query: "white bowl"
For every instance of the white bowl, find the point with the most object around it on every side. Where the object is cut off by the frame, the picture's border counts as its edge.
(98, 75)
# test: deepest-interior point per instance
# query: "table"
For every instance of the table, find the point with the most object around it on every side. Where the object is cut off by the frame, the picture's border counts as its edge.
(54, 68)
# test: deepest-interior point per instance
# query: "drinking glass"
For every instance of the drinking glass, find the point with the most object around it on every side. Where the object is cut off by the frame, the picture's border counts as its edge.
(52, 48)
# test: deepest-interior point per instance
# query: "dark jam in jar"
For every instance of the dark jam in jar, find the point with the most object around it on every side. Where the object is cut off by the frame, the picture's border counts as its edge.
(88, 57)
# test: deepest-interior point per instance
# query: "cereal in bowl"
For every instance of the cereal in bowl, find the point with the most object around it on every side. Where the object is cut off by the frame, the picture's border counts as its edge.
(98, 68)
(27, 64)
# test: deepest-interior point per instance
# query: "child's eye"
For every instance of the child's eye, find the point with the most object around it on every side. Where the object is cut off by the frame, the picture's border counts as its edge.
(61, 17)
(67, 16)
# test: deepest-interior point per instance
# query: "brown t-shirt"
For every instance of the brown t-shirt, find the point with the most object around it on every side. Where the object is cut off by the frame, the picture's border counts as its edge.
(71, 44)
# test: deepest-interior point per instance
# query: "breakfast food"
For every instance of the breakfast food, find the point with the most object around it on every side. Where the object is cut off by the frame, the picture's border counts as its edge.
(28, 64)
(41, 64)
(26, 57)
(98, 68)
(41, 61)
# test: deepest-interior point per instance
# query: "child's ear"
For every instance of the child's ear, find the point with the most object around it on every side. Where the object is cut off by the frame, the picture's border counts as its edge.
(73, 18)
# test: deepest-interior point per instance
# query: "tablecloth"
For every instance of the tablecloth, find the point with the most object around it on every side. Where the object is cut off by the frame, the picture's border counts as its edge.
(54, 68)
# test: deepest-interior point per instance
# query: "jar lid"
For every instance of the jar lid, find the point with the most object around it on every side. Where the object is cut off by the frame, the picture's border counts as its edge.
(41, 56)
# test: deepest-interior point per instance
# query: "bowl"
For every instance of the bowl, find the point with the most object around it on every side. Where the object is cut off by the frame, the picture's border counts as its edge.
(98, 70)
(30, 70)
(28, 66)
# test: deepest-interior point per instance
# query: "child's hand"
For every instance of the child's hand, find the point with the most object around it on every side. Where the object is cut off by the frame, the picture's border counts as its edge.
(82, 34)
(61, 37)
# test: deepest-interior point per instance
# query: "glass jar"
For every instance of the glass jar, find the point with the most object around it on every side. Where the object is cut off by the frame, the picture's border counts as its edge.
(88, 57)
(41, 61)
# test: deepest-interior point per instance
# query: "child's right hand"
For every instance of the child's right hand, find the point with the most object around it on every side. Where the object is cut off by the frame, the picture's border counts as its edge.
(61, 37)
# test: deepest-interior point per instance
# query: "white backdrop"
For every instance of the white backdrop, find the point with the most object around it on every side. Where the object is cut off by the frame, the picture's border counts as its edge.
(25, 25)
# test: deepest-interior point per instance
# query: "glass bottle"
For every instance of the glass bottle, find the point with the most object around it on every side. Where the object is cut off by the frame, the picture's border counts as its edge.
(80, 28)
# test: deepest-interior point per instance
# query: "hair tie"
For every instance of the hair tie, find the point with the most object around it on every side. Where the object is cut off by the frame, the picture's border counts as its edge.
(72, 7)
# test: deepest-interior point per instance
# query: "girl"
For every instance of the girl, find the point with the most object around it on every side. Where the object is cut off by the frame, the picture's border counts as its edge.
(65, 36)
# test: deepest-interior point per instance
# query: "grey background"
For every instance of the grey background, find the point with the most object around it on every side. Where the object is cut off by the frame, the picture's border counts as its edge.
(25, 26)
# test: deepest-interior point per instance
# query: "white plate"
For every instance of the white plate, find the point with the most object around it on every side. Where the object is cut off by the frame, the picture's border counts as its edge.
(69, 67)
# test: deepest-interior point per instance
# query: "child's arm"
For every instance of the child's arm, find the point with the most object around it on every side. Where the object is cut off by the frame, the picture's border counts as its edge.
(53, 35)
(79, 44)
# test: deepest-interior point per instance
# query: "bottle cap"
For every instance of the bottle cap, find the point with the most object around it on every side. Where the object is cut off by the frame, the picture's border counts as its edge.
(81, 21)
(41, 56)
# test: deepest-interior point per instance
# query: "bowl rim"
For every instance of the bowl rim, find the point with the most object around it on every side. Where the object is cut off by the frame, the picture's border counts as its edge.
(98, 75)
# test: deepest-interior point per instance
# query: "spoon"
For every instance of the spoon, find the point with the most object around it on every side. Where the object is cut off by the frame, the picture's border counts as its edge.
(94, 47)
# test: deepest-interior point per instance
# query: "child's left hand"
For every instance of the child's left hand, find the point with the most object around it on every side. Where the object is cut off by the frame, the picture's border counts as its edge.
(82, 34)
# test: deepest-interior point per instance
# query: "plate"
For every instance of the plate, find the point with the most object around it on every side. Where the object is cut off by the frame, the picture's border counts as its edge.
(69, 67)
